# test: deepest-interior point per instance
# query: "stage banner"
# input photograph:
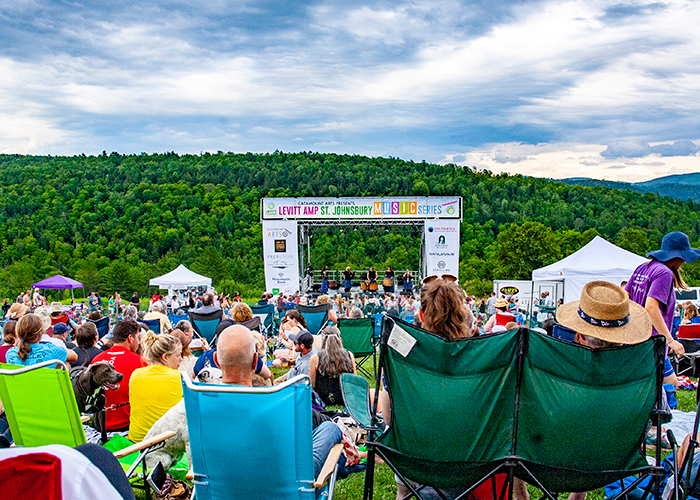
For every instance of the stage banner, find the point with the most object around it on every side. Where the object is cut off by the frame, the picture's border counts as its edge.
(281, 251)
(441, 247)
(371, 209)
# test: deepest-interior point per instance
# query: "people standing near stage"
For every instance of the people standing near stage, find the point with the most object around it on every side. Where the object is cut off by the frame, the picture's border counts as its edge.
(348, 275)
(324, 280)
(408, 282)
(388, 284)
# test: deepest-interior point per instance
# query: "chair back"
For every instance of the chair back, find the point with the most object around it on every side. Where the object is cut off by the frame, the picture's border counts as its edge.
(40, 405)
(151, 324)
(695, 320)
(63, 318)
(357, 335)
(507, 380)
(205, 324)
(504, 318)
(252, 324)
(102, 326)
(176, 318)
(31, 476)
(690, 332)
(266, 312)
(316, 317)
(227, 425)
(564, 333)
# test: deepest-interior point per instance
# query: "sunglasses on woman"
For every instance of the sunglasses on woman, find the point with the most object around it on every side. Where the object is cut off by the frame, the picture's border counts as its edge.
(433, 277)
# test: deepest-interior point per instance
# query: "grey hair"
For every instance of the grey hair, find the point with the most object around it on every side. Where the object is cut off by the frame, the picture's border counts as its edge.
(130, 313)
(184, 325)
(596, 343)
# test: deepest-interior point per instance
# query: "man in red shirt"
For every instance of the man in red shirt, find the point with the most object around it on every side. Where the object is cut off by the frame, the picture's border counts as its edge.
(122, 355)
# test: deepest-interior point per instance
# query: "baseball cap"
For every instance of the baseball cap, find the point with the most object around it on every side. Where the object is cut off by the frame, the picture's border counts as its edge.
(303, 337)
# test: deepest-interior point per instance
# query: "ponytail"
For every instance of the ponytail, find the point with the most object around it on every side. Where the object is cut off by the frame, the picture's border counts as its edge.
(29, 330)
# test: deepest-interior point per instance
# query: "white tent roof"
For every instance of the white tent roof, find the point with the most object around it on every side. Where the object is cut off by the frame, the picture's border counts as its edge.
(181, 277)
(598, 260)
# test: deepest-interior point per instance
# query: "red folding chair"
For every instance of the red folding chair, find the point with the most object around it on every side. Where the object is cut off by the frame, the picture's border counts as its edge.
(35, 476)
(689, 332)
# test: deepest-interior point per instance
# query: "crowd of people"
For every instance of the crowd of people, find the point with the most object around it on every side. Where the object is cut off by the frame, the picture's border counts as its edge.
(152, 363)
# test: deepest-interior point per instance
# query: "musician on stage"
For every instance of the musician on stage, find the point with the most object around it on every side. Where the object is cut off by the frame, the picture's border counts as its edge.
(388, 283)
(348, 275)
(372, 275)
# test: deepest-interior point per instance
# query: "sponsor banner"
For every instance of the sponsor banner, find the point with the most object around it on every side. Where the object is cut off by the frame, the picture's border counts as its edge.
(281, 256)
(431, 207)
(441, 247)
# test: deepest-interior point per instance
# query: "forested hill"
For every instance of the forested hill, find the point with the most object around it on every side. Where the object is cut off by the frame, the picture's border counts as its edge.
(115, 221)
(679, 186)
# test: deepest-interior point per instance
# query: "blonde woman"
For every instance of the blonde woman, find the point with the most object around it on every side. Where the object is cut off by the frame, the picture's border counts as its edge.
(156, 388)
(325, 299)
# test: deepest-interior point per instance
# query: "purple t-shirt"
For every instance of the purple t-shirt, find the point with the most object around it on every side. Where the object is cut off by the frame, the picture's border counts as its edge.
(655, 280)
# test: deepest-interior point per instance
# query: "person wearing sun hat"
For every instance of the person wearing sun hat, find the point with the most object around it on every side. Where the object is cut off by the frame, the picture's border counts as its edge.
(605, 316)
(16, 311)
(501, 317)
(652, 284)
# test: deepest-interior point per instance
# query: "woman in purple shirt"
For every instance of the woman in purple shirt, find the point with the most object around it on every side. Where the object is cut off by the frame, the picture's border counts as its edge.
(652, 284)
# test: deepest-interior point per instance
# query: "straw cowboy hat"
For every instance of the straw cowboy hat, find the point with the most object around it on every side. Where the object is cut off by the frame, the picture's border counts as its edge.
(16, 311)
(56, 307)
(675, 244)
(45, 315)
(500, 303)
(606, 312)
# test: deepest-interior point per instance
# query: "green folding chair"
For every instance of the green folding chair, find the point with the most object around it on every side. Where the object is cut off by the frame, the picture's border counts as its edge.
(41, 409)
(560, 416)
(357, 336)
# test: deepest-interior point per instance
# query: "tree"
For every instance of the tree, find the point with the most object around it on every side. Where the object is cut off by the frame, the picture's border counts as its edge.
(521, 248)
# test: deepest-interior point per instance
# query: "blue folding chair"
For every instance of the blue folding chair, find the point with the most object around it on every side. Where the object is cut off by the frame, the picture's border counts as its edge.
(266, 312)
(694, 320)
(564, 333)
(176, 318)
(102, 325)
(227, 424)
(316, 317)
(151, 324)
(205, 324)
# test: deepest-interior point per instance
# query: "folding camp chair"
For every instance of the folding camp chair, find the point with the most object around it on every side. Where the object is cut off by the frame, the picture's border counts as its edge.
(561, 416)
(205, 324)
(564, 333)
(41, 409)
(151, 324)
(102, 325)
(266, 312)
(689, 333)
(316, 317)
(357, 336)
(35, 476)
(227, 425)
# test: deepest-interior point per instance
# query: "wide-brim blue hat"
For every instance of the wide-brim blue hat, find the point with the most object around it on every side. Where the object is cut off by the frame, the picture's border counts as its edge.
(675, 244)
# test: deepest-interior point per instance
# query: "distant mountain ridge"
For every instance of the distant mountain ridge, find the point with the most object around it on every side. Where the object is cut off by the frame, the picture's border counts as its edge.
(679, 186)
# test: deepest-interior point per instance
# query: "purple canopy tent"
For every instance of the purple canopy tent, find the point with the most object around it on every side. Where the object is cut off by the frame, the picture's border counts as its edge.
(58, 282)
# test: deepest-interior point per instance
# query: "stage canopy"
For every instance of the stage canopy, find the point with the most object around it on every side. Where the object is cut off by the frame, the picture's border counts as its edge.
(181, 277)
(598, 260)
(57, 282)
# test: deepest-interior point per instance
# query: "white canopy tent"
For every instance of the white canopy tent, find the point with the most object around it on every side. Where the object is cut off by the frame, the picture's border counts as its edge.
(180, 278)
(598, 260)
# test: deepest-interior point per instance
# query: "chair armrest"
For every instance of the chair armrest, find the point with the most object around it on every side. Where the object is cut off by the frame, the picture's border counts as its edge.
(84, 418)
(355, 389)
(146, 443)
(329, 466)
(190, 474)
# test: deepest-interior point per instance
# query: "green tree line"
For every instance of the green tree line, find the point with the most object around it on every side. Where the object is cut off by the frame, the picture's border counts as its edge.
(114, 221)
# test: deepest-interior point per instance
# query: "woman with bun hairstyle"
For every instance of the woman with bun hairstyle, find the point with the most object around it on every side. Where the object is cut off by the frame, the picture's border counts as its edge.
(29, 330)
(156, 388)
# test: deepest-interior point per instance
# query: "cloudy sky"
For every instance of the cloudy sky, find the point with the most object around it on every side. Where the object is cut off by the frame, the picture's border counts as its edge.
(545, 88)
